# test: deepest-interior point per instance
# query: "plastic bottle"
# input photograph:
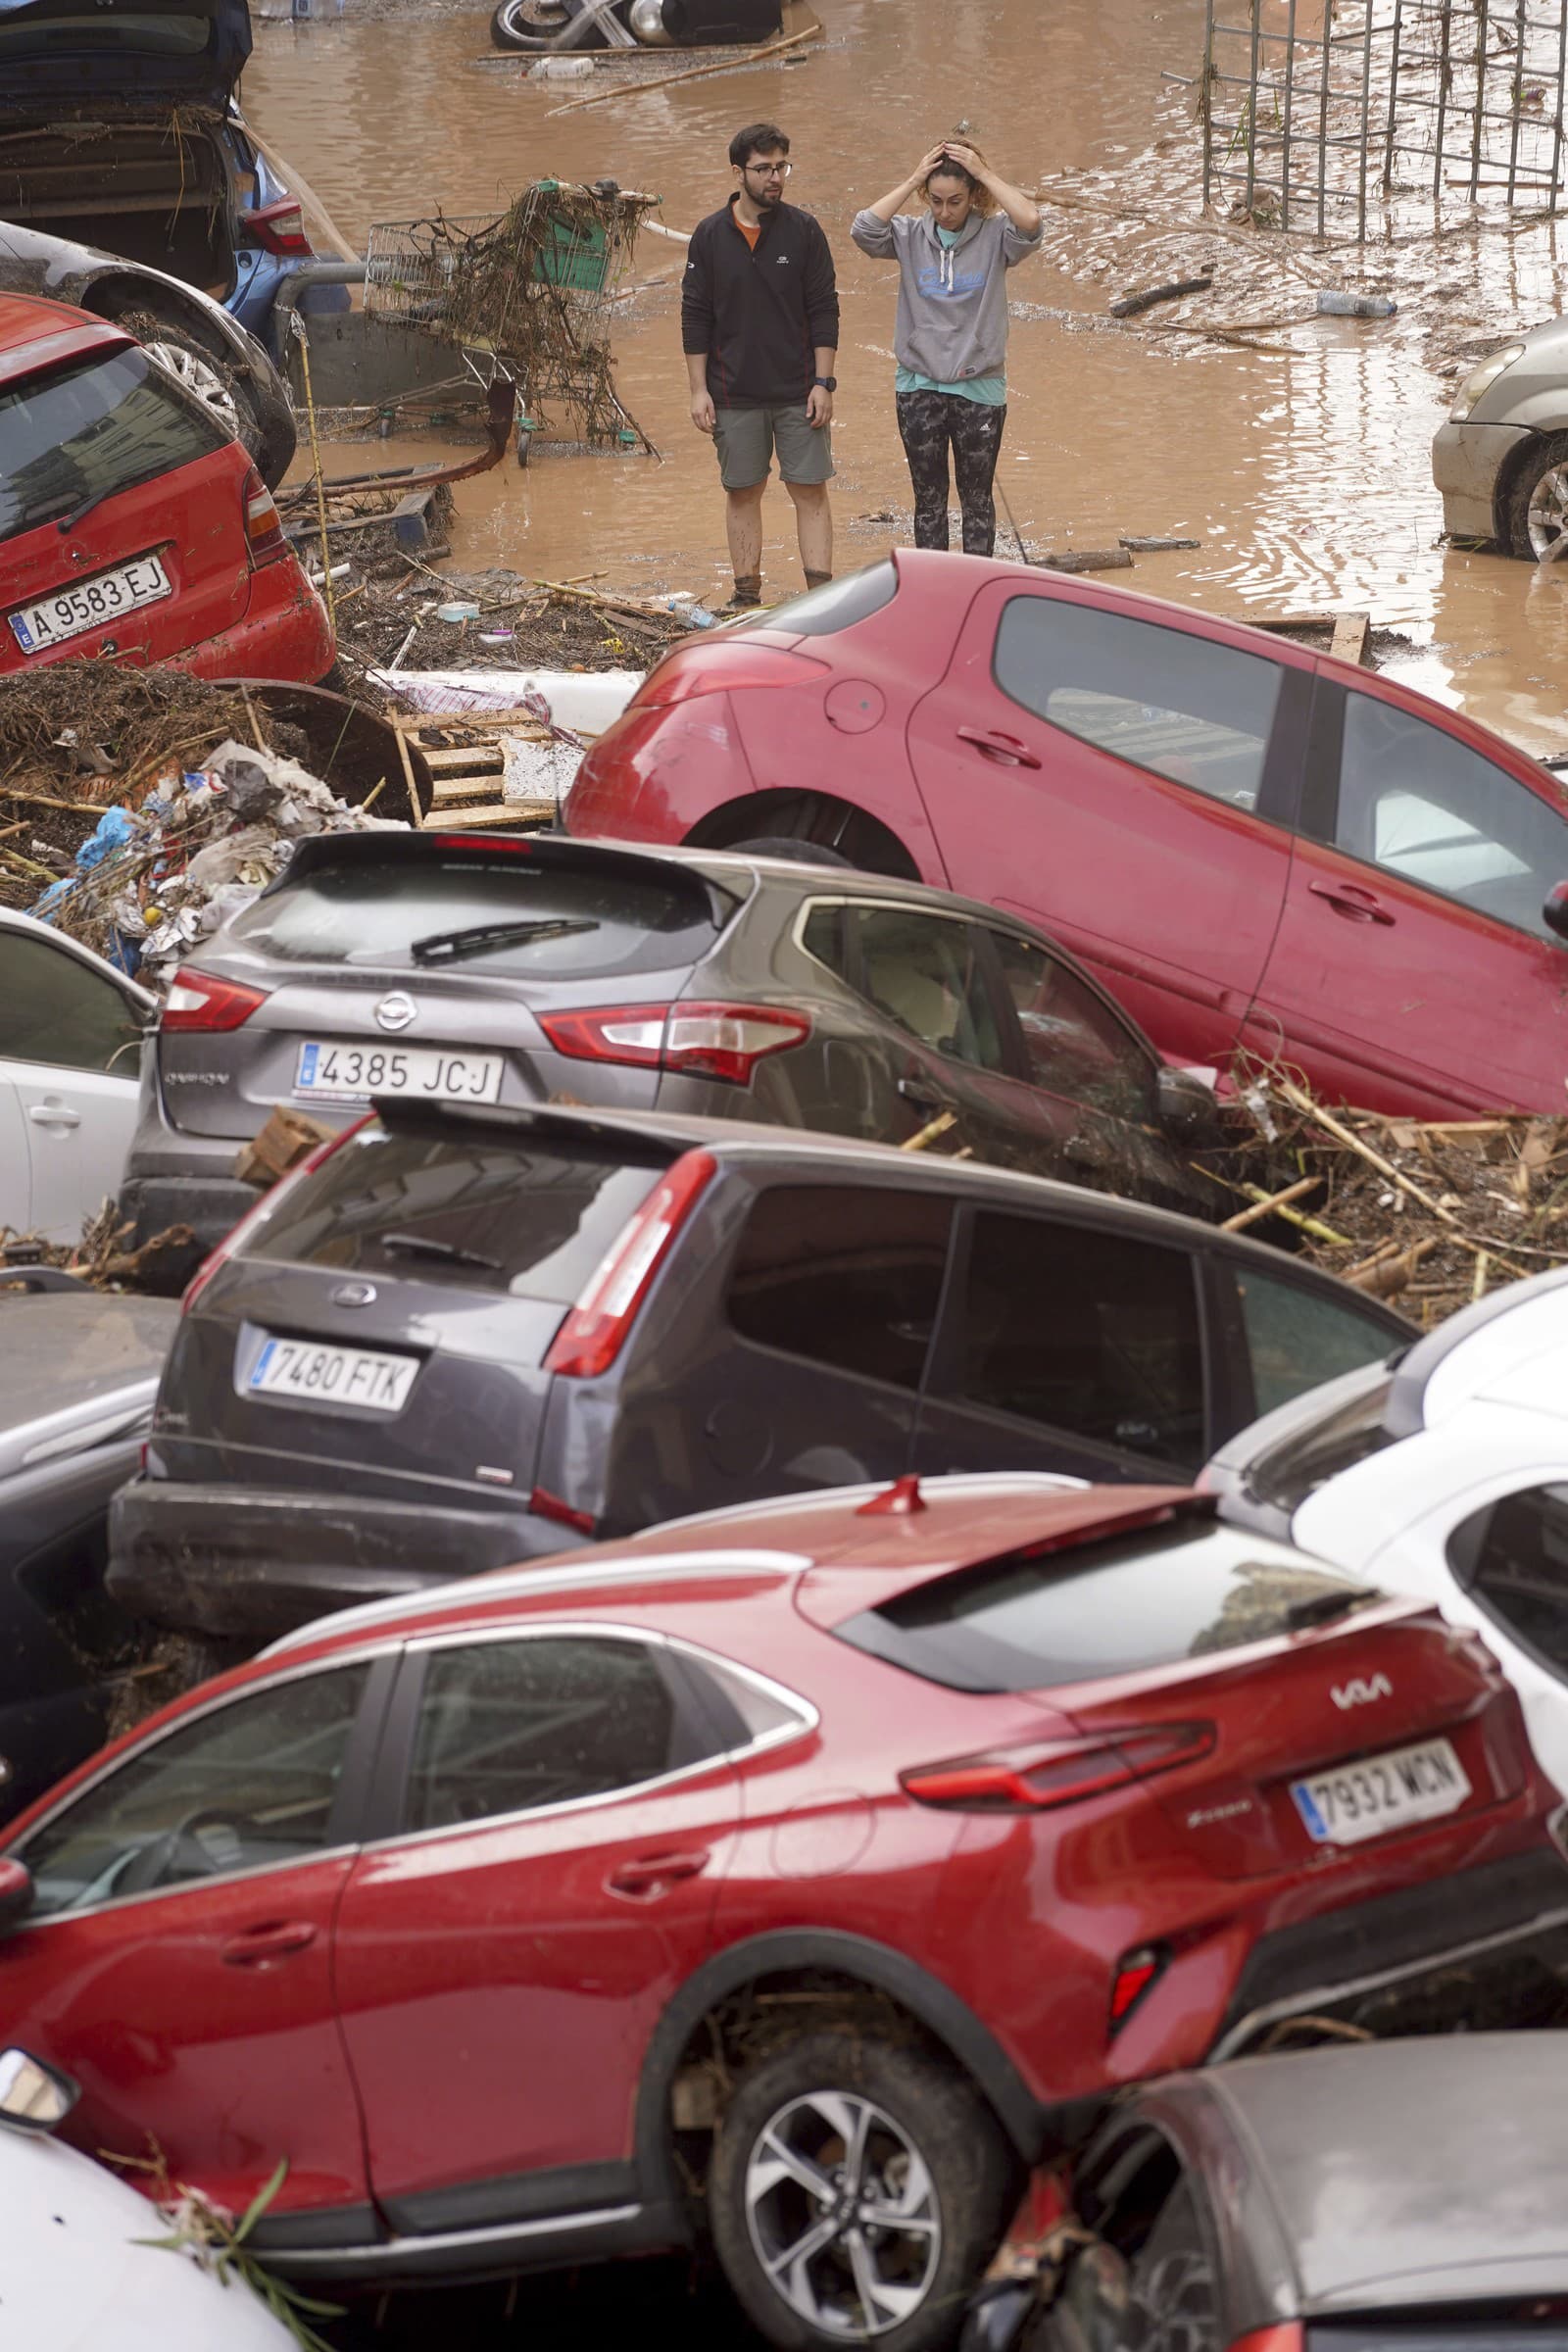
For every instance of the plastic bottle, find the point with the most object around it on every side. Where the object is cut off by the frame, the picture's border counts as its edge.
(1334, 302)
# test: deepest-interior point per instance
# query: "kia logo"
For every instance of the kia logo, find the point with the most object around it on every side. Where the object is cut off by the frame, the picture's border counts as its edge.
(396, 1011)
(1361, 1694)
(353, 1294)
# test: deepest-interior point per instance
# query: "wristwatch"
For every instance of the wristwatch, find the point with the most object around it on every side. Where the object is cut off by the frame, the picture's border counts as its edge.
(828, 383)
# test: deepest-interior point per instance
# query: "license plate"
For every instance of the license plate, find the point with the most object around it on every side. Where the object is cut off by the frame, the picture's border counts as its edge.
(87, 603)
(328, 1073)
(320, 1375)
(1355, 1801)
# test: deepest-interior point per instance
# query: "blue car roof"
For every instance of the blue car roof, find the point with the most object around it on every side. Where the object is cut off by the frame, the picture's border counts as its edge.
(152, 52)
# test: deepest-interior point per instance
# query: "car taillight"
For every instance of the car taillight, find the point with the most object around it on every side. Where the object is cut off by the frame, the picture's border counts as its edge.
(595, 1330)
(263, 524)
(1285, 2336)
(200, 1001)
(707, 1041)
(232, 1240)
(277, 227)
(724, 668)
(545, 1506)
(1056, 1772)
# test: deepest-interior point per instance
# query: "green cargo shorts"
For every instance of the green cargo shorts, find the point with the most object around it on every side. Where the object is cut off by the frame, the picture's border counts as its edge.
(746, 439)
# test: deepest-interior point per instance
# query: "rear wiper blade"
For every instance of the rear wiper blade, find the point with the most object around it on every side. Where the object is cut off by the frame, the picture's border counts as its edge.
(425, 1245)
(1319, 1608)
(445, 947)
(83, 507)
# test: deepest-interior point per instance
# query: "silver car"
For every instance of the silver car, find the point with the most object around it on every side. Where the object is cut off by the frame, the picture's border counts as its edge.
(1502, 459)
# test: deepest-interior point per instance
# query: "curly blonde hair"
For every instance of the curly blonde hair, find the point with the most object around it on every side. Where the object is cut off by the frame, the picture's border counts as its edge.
(980, 197)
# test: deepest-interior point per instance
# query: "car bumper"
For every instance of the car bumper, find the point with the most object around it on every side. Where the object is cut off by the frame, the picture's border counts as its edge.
(1466, 462)
(211, 1205)
(252, 1563)
(285, 633)
(1433, 1957)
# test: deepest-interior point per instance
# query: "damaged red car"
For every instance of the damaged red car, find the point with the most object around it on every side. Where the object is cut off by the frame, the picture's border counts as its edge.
(1257, 848)
(802, 1874)
(133, 527)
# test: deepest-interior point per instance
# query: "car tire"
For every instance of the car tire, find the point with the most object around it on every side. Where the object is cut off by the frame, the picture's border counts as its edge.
(1538, 515)
(251, 411)
(805, 853)
(934, 2159)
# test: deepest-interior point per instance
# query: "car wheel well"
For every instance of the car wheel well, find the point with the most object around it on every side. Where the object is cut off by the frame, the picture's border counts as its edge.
(760, 2017)
(808, 816)
(117, 298)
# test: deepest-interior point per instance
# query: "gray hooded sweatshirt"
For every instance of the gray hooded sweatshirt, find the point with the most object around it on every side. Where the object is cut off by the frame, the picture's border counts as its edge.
(952, 299)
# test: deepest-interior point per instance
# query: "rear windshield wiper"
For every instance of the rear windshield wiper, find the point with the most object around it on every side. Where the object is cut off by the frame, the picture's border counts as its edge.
(445, 947)
(84, 507)
(1319, 1608)
(425, 1245)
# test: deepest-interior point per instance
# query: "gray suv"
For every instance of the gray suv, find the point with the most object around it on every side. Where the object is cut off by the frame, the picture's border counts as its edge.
(526, 969)
(473, 1335)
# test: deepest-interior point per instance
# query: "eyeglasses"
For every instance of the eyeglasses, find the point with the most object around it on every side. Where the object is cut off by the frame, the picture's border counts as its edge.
(771, 170)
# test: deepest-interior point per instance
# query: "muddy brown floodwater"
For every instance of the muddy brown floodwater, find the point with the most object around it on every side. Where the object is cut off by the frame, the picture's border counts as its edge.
(1301, 463)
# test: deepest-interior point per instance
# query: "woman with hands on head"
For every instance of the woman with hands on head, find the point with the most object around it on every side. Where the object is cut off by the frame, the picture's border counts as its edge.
(951, 339)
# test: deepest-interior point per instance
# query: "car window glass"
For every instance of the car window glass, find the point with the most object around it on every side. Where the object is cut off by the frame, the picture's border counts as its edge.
(1195, 711)
(56, 1009)
(823, 612)
(1092, 1333)
(846, 1275)
(91, 430)
(925, 973)
(1075, 1045)
(1418, 803)
(822, 936)
(1513, 1555)
(506, 1727)
(1297, 1339)
(248, 1783)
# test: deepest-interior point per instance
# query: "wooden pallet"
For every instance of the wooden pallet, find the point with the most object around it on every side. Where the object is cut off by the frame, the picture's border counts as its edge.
(1348, 632)
(454, 762)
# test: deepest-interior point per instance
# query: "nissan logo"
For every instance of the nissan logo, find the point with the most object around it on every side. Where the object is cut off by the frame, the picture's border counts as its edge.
(353, 1294)
(396, 1011)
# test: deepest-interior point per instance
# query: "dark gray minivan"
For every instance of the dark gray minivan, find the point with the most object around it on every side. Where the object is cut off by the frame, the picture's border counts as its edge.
(468, 1336)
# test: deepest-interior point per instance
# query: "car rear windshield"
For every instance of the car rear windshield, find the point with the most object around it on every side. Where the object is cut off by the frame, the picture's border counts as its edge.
(1116, 1607)
(89, 431)
(401, 910)
(473, 1210)
(1346, 1434)
(823, 612)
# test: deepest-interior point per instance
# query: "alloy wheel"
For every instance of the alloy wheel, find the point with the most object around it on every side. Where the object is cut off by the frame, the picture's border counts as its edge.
(201, 378)
(843, 2214)
(1547, 517)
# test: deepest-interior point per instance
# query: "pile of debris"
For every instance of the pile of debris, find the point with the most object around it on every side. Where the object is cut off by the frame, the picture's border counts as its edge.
(498, 619)
(1430, 1213)
(153, 812)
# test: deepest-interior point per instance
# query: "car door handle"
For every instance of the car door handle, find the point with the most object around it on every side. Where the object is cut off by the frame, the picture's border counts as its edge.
(255, 1946)
(995, 746)
(649, 1874)
(53, 1114)
(1350, 899)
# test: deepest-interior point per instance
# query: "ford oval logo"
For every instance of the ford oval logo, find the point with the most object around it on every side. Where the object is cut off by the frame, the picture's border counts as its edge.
(396, 1011)
(353, 1294)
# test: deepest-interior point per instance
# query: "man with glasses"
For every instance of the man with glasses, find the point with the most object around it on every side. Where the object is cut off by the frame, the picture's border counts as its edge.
(759, 324)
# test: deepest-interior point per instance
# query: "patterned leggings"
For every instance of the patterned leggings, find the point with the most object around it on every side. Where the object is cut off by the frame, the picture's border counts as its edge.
(928, 421)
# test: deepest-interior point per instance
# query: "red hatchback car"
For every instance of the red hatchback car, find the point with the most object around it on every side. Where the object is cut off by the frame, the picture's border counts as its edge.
(131, 525)
(820, 1864)
(1255, 847)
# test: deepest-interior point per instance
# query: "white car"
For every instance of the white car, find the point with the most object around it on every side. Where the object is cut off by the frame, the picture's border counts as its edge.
(71, 1032)
(75, 2271)
(1443, 1474)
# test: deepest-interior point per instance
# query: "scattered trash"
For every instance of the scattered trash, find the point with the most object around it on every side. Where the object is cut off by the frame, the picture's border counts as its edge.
(457, 611)
(1334, 303)
(1131, 304)
(1155, 546)
(1088, 559)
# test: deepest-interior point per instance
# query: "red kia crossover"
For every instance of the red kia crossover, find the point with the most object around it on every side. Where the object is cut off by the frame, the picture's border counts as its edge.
(131, 524)
(1255, 847)
(800, 1874)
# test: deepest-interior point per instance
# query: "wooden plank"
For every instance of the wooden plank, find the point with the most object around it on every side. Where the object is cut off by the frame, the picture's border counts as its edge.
(445, 789)
(416, 807)
(499, 812)
(1350, 633)
(463, 757)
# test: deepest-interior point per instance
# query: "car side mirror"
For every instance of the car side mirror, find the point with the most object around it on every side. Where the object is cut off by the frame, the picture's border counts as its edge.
(16, 1892)
(1187, 1103)
(34, 2097)
(1554, 914)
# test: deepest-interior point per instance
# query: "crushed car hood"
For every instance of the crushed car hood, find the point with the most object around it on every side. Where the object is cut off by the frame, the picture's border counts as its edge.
(138, 54)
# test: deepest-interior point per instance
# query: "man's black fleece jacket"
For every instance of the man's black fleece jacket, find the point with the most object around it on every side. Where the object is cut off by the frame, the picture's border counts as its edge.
(761, 316)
